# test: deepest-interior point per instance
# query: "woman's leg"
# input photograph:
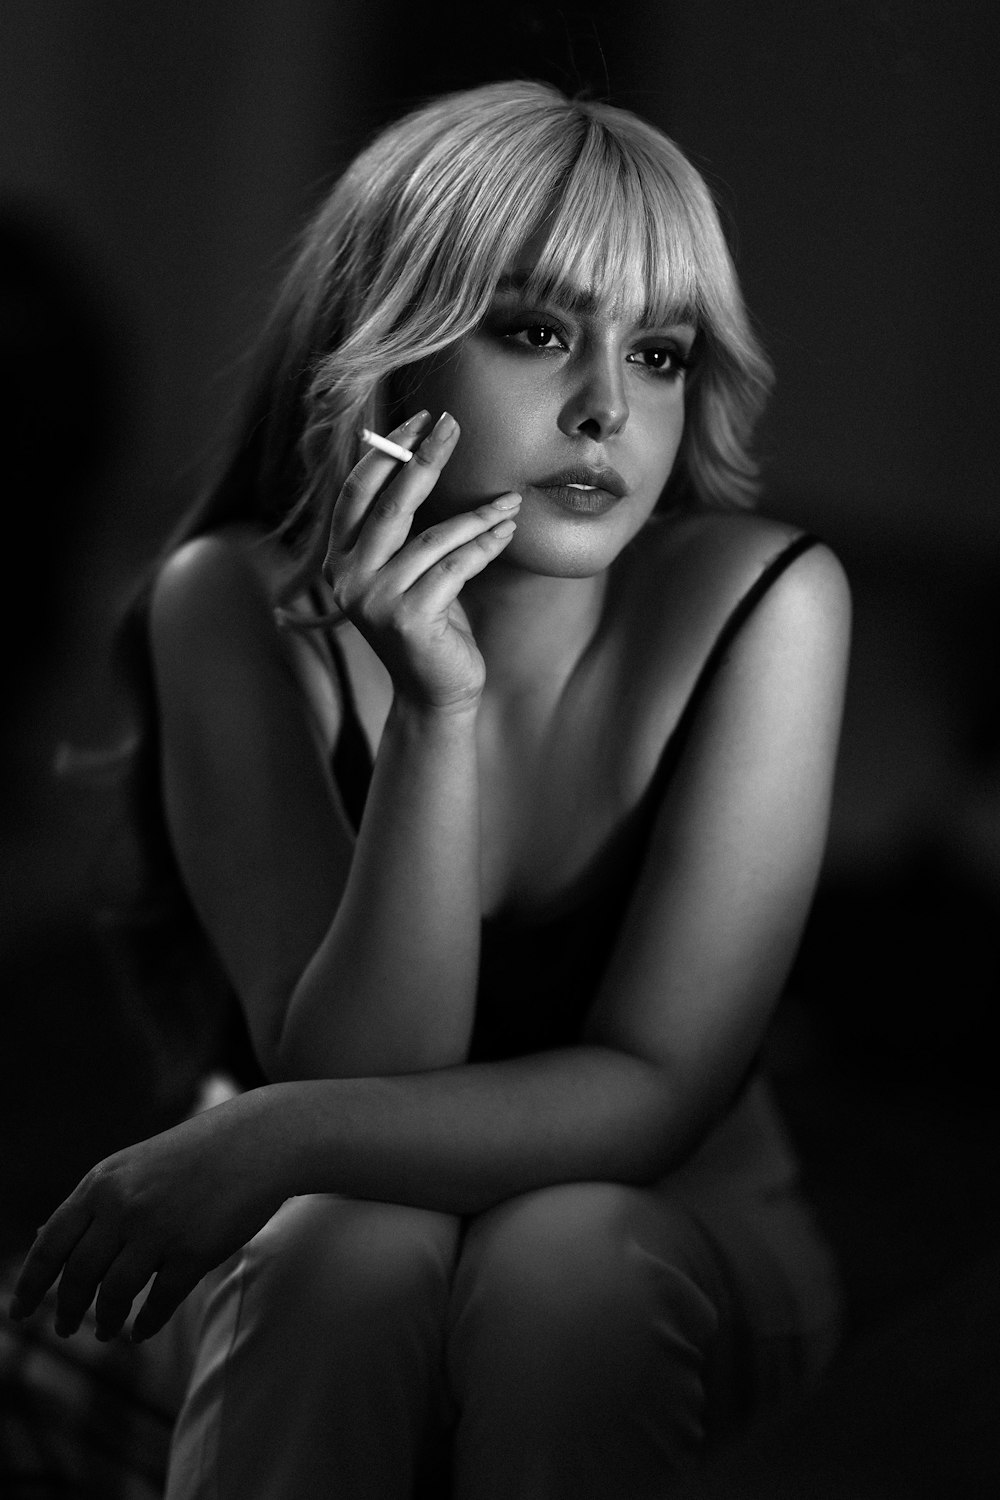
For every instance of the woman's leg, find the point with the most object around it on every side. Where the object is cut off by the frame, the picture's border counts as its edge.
(319, 1368)
(594, 1336)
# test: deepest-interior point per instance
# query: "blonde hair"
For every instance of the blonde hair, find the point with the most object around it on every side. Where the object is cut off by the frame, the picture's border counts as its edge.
(403, 258)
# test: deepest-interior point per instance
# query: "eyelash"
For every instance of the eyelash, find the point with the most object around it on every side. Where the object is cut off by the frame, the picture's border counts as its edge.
(679, 361)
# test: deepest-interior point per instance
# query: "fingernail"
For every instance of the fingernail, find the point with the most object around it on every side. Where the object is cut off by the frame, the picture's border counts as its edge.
(507, 502)
(444, 426)
(418, 419)
(504, 529)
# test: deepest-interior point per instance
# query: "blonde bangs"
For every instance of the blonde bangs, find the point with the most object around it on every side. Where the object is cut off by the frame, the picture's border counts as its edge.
(622, 231)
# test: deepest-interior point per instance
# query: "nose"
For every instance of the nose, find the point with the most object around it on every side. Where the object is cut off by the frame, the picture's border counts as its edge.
(597, 406)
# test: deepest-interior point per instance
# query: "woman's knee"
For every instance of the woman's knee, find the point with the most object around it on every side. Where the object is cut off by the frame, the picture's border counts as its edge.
(584, 1261)
(576, 1309)
(325, 1261)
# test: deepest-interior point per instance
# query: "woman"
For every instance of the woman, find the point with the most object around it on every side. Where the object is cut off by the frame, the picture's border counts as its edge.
(499, 780)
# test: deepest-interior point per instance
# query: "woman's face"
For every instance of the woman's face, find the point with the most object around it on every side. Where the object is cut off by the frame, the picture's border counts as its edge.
(577, 406)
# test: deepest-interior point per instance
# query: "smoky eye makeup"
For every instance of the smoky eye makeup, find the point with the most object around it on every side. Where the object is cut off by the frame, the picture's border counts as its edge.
(661, 350)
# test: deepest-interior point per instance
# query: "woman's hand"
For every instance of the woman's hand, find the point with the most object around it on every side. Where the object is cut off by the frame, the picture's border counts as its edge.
(401, 591)
(174, 1207)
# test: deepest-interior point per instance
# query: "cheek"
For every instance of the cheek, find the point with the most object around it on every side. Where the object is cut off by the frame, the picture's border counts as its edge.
(657, 431)
(498, 431)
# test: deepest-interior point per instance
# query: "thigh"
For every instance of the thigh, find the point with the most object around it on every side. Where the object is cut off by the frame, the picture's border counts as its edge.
(578, 1343)
(325, 1273)
(327, 1329)
(585, 1277)
(326, 1248)
(746, 1283)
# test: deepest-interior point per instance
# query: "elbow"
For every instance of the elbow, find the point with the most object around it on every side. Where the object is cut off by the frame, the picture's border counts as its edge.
(660, 1119)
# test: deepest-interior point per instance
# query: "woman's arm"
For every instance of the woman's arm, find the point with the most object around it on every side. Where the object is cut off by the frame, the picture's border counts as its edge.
(700, 963)
(301, 916)
(349, 959)
(710, 935)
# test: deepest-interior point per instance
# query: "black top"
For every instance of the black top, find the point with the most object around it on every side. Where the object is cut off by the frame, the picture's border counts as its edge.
(537, 979)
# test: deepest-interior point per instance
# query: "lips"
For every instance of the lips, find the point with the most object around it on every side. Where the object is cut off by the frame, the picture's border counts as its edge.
(584, 479)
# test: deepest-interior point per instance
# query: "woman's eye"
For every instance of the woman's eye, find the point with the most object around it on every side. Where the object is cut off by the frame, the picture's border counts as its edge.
(538, 336)
(661, 360)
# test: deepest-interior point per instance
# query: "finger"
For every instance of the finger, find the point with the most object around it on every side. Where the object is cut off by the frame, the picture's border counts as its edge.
(82, 1274)
(441, 585)
(171, 1285)
(122, 1283)
(389, 518)
(434, 544)
(372, 471)
(54, 1242)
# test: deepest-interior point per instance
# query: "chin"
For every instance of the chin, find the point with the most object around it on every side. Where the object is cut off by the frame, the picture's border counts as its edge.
(570, 549)
(564, 551)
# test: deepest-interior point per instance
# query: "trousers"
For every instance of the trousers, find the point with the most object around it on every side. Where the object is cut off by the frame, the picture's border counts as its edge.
(585, 1340)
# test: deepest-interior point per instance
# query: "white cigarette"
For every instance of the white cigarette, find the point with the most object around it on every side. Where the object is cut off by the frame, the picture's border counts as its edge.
(385, 445)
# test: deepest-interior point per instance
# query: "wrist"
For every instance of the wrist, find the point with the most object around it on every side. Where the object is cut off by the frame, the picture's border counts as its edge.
(417, 714)
(280, 1135)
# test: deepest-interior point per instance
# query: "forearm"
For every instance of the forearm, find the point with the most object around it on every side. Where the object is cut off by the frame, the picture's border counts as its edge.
(392, 987)
(457, 1141)
(461, 1139)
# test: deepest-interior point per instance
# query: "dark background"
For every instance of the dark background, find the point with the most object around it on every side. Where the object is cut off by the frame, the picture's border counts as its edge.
(154, 163)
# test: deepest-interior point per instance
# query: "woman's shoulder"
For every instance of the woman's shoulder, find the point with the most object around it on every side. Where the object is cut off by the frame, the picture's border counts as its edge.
(211, 616)
(728, 544)
(701, 565)
(699, 582)
(215, 633)
(216, 591)
(211, 575)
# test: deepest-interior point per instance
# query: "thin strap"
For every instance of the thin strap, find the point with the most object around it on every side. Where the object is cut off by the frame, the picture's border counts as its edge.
(737, 616)
(351, 762)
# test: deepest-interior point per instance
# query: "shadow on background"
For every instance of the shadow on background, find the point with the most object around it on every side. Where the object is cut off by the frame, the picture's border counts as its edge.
(157, 161)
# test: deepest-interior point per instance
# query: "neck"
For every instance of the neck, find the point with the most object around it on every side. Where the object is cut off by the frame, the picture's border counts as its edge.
(531, 629)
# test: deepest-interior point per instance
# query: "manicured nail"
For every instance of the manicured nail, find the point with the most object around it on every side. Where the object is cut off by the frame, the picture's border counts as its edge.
(504, 529)
(507, 502)
(444, 427)
(417, 420)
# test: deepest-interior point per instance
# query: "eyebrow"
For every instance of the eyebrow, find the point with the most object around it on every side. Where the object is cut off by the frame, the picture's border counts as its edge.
(580, 300)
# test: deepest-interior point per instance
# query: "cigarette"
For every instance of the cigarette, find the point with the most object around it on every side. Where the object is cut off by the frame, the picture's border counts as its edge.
(385, 445)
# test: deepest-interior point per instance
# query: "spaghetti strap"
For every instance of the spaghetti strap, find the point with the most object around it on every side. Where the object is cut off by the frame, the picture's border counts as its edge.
(731, 627)
(351, 761)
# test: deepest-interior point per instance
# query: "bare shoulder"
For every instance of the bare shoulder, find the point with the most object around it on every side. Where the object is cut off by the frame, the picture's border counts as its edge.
(212, 633)
(215, 639)
(214, 584)
(697, 569)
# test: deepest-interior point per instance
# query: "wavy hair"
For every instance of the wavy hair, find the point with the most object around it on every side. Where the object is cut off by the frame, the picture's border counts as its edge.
(402, 260)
